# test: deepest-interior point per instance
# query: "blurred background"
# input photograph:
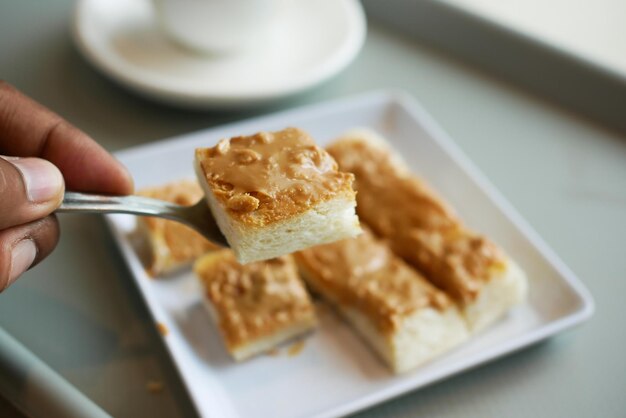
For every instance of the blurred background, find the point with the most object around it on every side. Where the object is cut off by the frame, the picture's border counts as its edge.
(534, 92)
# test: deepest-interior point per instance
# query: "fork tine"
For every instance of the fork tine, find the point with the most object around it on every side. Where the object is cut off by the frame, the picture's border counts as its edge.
(202, 220)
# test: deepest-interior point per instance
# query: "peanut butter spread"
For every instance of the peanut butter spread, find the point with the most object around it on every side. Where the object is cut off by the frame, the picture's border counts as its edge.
(254, 300)
(419, 226)
(363, 273)
(183, 243)
(271, 176)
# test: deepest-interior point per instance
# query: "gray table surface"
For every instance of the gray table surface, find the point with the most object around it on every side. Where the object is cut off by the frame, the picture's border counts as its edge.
(80, 313)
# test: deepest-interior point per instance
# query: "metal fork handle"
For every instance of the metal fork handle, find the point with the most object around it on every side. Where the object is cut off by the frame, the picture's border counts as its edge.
(135, 205)
(197, 216)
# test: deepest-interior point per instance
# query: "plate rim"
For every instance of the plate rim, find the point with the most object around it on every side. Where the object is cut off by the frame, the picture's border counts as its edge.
(353, 43)
(581, 313)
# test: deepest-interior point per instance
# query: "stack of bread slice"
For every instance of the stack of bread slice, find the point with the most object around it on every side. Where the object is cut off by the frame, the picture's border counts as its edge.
(421, 228)
(414, 284)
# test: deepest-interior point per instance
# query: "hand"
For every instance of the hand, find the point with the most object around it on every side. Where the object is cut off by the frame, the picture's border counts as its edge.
(40, 155)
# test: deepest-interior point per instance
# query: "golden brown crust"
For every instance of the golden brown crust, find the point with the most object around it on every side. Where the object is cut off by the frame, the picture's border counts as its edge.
(271, 176)
(363, 273)
(418, 224)
(254, 300)
(183, 243)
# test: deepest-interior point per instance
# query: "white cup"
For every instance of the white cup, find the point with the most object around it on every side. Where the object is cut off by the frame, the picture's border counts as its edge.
(216, 26)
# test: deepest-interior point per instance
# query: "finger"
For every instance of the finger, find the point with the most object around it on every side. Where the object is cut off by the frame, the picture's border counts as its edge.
(24, 246)
(30, 188)
(27, 129)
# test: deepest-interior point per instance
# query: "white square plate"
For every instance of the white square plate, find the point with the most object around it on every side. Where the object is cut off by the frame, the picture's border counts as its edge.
(336, 373)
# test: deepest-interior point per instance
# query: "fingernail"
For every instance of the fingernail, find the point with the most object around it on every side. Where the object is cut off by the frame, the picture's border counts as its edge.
(22, 258)
(43, 180)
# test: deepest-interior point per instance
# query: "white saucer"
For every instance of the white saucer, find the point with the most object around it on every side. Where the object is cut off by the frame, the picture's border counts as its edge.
(315, 40)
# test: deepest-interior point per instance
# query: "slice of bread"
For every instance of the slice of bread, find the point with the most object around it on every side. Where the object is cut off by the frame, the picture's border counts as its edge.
(406, 320)
(169, 245)
(425, 231)
(276, 193)
(256, 306)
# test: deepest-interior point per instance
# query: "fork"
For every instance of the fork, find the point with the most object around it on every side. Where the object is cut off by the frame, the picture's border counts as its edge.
(198, 216)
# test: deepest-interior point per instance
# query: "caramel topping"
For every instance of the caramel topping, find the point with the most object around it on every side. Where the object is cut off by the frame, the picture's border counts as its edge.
(271, 176)
(183, 243)
(254, 300)
(420, 227)
(362, 272)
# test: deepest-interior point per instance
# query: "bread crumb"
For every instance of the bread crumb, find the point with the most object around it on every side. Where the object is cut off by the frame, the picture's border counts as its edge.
(155, 386)
(273, 352)
(162, 329)
(296, 348)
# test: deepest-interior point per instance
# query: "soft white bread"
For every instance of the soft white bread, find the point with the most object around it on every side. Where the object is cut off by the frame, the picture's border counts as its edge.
(503, 290)
(169, 245)
(422, 336)
(256, 306)
(404, 319)
(276, 193)
(425, 231)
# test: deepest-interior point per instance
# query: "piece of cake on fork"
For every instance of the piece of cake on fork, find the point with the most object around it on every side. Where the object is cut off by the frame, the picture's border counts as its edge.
(274, 193)
(424, 230)
(169, 245)
(257, 305)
